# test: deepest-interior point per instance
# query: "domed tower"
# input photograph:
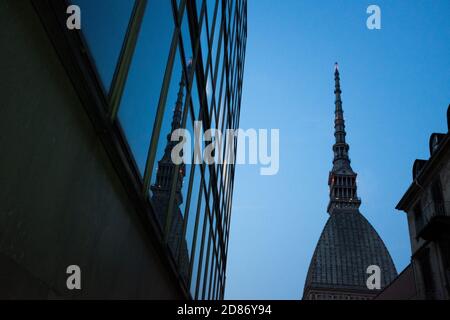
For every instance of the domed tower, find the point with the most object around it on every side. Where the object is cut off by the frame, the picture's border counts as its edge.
(349, 244)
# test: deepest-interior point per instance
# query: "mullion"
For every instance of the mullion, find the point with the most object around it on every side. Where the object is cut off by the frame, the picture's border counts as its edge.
(125, 58)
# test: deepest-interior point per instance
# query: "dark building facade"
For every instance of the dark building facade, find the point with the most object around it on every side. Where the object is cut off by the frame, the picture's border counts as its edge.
(348, 244)
(85, 131)
(427, 207)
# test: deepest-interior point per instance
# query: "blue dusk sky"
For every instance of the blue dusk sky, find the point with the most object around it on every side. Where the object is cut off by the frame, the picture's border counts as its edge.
(395, 84)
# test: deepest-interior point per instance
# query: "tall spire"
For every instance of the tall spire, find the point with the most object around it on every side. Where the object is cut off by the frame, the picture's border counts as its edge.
(177, 113)
(340, 147)
(342, 178)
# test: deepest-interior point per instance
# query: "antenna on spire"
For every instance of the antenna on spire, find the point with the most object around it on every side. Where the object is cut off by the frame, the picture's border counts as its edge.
(336, 67)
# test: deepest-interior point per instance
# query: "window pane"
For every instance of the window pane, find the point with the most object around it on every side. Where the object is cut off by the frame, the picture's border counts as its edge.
(195, 99)
(218, 21)
(186, 36)
(165, 171)
(198, 243)
(220, 92)
(217, 37)
(210, 7)
(164, 168)
(199, 4)
(212, 267)
(209, 90)
(185, 186)
(205, 252)
(207, 272)
(142, 90)
(216, 292)
(204, 44)
(104, 25)
(193, 208)
(207, 178)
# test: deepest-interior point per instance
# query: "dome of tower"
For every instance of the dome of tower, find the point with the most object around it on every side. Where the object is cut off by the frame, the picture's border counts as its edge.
(347, 246)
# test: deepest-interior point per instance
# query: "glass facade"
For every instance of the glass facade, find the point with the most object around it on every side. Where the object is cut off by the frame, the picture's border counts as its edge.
(100, 19)
(167, 64)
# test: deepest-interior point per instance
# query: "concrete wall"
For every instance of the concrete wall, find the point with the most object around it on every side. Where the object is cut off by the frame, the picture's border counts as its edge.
(61, 202)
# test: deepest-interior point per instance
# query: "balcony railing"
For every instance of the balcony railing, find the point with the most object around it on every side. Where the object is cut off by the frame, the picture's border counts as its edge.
(434, 221)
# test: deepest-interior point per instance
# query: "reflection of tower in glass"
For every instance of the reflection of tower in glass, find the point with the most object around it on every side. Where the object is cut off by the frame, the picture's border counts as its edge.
(162, 188)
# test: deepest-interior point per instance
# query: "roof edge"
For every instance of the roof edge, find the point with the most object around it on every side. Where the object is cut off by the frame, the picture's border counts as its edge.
(421, 179)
